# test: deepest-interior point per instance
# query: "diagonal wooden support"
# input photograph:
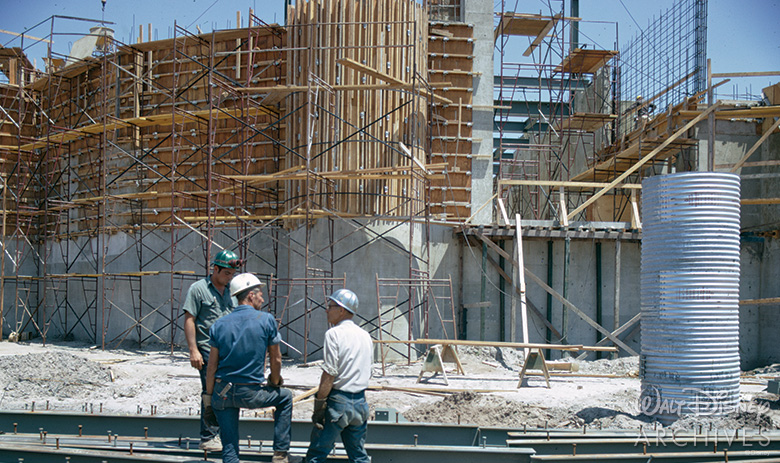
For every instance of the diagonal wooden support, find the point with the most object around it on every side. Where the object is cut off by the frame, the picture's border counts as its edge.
(644, 160)
(352, 64)
(617, 332)
(560, 298)
(755, 147)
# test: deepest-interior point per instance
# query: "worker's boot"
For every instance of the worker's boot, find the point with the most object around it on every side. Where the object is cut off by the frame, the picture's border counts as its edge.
(283, 457)
(213, 445)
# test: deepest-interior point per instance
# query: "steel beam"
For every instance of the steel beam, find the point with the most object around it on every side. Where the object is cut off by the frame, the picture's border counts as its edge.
(189, 426)
(532, 109)
(542, 83)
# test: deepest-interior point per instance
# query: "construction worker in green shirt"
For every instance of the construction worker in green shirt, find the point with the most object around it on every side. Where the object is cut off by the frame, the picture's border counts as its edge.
(208, 300)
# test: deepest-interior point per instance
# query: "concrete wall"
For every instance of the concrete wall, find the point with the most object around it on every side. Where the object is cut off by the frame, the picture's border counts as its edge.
(581, 290)
(358, 255)
(759, 250)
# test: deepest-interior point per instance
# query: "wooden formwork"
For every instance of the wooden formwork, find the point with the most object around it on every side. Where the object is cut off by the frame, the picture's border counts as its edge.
(364, 71)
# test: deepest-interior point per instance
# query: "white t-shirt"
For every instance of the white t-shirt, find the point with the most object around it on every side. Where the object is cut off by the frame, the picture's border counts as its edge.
(348, 356)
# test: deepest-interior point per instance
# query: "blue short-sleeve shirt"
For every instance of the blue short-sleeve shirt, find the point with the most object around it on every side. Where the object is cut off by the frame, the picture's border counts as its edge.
(242, 338)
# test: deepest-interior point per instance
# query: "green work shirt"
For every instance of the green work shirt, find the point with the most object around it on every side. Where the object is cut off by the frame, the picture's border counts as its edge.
(207, 305)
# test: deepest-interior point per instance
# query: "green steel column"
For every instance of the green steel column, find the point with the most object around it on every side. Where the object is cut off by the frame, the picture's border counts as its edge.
(483, 289)
(501, 300)
(565, 315)
(575, 27)
(549, 296)
(598, 294)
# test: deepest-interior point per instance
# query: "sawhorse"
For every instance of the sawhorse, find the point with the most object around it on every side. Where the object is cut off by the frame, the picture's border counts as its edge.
(435, 358)
(532, 361)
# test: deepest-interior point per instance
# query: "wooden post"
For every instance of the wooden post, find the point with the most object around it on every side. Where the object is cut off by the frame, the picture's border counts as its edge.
(238, 43)
(521, 277)
(564, 219)
(2, 263)
(565, 313)
(636, 223)
(616, 312)
(502, 208)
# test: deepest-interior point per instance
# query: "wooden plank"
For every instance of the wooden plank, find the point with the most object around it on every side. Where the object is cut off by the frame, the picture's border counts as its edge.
(764, 301)
(584, 61)
(516, 345)
(36, 39)
(542, 34)
(521, 280)
(568, 184)
(352, 64)
(772, 94)
(523, 24)
(644, 160)
(585, 122)
(746, 74)
(755, 201)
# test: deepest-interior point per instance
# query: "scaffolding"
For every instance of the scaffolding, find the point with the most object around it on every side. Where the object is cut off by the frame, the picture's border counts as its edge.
(130, 166)
(553, 106)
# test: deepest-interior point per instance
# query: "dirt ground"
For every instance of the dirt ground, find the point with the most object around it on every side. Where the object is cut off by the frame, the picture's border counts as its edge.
(602, 394)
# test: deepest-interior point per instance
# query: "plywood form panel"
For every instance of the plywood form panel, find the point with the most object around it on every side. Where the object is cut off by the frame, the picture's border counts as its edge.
(451, 60)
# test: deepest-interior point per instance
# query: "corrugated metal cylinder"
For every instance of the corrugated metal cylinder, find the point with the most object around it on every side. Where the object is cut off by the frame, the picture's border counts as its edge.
(689, 361)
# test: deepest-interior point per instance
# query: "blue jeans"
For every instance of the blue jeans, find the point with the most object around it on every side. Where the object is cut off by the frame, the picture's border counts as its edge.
(209, 428)
(347, 415)
(227, 407)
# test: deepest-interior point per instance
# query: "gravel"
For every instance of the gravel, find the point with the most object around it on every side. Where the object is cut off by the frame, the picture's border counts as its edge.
(604, 394)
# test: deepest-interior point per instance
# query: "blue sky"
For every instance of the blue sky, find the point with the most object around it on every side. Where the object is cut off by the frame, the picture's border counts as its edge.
(742, 36)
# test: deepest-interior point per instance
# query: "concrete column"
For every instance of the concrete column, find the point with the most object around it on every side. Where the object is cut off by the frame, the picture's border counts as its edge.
(480, 14)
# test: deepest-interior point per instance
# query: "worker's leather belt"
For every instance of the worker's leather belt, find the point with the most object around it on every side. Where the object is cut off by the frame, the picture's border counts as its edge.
(240, 384)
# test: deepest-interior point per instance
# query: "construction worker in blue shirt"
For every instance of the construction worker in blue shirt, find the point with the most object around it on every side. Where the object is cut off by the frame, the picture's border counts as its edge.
(207, 300)
(236, 369)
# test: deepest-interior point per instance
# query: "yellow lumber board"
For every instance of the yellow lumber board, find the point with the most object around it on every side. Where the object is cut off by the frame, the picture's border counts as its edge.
(755, 112)
(584, 61)
(568, 184)
(644, 160)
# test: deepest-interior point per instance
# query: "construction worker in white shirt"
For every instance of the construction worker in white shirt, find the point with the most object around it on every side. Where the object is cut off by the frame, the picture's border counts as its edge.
(340, 406)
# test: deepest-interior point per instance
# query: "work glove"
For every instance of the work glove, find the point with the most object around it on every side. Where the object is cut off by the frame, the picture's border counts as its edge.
(206, 398)
(279, 384)
(320, 408)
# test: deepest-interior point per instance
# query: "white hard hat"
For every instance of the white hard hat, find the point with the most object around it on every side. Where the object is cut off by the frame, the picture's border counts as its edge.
(345, 298)
(243, 282)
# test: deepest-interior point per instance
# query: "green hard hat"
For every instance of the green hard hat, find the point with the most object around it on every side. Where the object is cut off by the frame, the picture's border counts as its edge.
(227, 259)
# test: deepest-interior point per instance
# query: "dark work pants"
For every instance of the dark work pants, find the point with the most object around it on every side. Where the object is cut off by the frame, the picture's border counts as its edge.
(209, 428)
